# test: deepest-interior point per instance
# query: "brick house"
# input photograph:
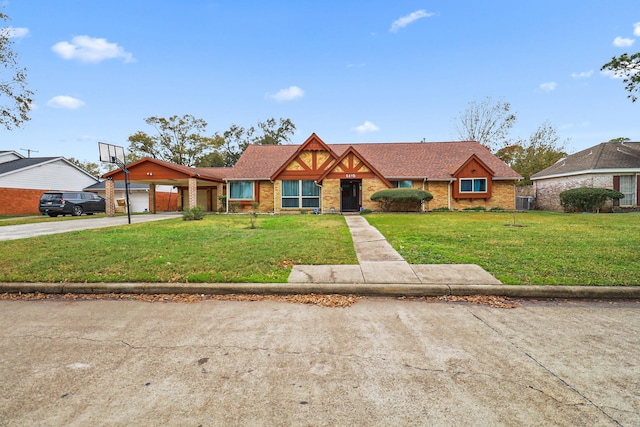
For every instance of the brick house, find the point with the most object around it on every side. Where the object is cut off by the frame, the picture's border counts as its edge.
(613, 165)
(342, 177)
(23, 180)
(328, 178)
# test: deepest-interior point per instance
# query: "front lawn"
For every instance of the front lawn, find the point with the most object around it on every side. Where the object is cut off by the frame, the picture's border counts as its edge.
(545, 249)
(219, 248)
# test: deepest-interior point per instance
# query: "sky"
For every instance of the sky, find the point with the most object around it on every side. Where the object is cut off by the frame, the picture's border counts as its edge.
(350, 70)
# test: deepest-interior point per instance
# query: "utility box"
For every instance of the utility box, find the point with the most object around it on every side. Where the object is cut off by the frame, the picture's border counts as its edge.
(524, 203)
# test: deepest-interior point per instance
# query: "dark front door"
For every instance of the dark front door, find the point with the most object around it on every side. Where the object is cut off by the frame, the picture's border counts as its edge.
(350, 195)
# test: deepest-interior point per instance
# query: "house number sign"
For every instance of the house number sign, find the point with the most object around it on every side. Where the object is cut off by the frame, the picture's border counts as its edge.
(351, 175)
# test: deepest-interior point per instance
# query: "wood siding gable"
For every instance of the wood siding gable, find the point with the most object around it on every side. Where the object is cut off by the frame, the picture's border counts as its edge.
(352, 165)
(473, 168)
(310, 160)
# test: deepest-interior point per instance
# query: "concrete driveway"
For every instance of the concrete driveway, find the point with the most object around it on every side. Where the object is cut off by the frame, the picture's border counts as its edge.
(22, 231)
(379, 362)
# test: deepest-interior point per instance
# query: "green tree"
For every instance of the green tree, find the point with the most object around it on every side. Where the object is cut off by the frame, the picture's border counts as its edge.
(178, 140)
(620, 139)
(16, 99)
(90, 167)
(270, 132)
(628, 68)
(542, 150)
(487, 122)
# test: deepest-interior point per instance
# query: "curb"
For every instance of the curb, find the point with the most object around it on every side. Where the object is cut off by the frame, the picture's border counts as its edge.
(392, 290)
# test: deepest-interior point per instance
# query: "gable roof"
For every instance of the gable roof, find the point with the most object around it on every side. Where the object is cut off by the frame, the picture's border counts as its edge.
(607, 156)
(431, 160)
(19, 164)
(354, 152)
(207, 174)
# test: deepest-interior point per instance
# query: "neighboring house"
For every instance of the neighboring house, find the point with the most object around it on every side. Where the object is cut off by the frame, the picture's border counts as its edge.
(327, 178)
(23, 180)
(138, 196)
(613, 165)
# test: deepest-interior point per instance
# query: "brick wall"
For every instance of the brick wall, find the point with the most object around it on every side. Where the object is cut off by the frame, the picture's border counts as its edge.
(331, 195)
(547, 191)
(440, 192)
(369, 187)
(18, 201)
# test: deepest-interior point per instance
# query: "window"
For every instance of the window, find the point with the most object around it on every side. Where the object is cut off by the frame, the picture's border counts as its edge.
(242, 190)
(401, 184)
(628, 188)
(296, 194)
(475, 185)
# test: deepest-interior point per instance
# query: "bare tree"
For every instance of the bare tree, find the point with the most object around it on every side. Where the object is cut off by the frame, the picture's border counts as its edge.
(15, 98)
(487, 122)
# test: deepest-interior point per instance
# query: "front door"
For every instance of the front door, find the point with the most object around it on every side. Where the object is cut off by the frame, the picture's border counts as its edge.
(350, 194)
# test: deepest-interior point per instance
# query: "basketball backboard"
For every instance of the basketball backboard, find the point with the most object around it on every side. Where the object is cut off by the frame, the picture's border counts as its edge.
(110, 153)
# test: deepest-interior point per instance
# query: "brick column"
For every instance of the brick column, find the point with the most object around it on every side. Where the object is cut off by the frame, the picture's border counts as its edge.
(152, 198)
(110, 202)
(193, 193)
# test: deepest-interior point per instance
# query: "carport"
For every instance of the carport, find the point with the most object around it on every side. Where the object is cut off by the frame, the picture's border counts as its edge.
(196, 186)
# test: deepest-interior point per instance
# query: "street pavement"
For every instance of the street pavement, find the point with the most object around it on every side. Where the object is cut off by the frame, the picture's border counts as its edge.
(379, 362)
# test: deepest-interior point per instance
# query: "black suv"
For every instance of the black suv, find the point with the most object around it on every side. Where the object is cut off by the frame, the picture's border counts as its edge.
(54, 203)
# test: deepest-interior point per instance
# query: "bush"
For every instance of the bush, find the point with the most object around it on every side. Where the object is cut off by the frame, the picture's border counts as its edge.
(365, 211)
(475, 208)
(222, 205)
(194, 213)
(401, 199)
(587, 199)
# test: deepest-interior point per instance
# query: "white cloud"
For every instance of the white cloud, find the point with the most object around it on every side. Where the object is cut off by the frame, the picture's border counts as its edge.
(636, 29)
(288, 94)
(613, 74)
(549, 86)
(623, 42)
(408, 19)
(90, 49)
(582, 75)
(12, 32)
(66, 102)
(366, 127)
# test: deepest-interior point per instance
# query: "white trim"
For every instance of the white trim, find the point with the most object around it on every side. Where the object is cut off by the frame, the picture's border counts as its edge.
(614, 171)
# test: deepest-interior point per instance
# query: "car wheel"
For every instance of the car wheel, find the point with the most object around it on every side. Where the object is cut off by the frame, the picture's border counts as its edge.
(77, 210)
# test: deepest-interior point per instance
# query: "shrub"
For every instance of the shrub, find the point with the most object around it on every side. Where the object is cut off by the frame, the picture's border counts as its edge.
(587, 199)
(442, 209)
(194, 213)
(401, 199)
(222, 206)
(475, 208)
(365, 211)
(234, 206)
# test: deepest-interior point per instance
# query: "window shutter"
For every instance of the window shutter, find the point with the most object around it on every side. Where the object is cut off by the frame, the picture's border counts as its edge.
(616, 186)
(638, 191)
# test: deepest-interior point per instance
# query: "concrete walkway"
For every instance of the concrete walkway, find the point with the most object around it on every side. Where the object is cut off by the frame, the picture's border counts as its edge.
(379, 263)
(24, 231)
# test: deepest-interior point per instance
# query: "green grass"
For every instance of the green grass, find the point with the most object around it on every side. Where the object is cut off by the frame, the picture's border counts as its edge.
(219, 248)
(549, 248)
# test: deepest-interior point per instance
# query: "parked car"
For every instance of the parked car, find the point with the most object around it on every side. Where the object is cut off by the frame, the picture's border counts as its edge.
(54, 203)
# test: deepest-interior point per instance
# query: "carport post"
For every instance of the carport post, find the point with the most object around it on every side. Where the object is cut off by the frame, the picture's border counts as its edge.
(193, 193)
(109, 188)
